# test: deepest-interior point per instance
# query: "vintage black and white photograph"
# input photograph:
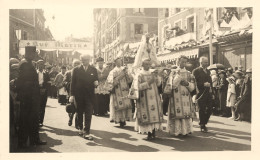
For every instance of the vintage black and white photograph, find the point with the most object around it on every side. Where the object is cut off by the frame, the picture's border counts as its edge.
(119, 79)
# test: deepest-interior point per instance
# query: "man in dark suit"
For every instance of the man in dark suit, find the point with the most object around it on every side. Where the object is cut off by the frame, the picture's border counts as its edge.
(204, 92)
(29, 96)
(83, 82)
(43, 82)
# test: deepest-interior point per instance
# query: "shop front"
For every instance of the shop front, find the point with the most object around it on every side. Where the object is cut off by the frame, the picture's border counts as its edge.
(235, 50)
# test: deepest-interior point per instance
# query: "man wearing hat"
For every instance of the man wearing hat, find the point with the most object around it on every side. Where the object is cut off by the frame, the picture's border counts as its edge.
(29, 95)
(43, 82)
(244, 104)
(83, 82)
(101, 91)
(222, 87)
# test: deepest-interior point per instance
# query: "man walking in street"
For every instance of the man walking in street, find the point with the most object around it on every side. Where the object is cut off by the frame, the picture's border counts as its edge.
(67, 83)
(204, 92)
(43, 82)
(83, 82)
(29, 95)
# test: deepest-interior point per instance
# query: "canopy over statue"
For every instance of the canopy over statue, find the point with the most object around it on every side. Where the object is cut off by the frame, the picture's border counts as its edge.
(147, 50)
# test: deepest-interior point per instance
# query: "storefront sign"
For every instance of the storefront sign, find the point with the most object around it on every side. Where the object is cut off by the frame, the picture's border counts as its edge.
(56, 45)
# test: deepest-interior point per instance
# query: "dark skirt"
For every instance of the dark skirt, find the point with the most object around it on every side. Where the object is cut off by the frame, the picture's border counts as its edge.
(62, 99)
(102, 105)
(222, 95)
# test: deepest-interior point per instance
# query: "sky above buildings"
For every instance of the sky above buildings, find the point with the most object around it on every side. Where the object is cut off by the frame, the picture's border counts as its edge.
(64, 21)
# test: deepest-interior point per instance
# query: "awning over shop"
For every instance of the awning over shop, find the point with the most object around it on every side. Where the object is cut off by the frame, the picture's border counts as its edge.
(235, 36)
(172, 56)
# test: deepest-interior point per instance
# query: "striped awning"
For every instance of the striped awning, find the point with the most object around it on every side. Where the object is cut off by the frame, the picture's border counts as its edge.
(172, 56)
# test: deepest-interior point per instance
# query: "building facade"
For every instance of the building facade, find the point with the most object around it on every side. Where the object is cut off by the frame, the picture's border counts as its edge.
(181, 31)
(31, 23)
(235, 45)
(115, 27)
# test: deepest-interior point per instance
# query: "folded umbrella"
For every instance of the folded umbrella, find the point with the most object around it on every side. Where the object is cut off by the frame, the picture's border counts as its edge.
(216, 66)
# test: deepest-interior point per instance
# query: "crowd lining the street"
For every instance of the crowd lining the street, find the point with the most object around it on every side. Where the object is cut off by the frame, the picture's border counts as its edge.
(122, 93)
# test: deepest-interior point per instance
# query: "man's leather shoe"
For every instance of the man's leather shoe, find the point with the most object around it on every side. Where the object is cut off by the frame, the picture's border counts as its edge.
(88, 137)
(81, 132)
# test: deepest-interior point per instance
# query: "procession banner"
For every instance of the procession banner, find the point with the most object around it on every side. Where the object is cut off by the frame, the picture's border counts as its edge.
(57, 45)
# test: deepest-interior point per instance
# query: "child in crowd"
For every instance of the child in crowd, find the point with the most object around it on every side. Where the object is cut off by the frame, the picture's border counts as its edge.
(231, 95)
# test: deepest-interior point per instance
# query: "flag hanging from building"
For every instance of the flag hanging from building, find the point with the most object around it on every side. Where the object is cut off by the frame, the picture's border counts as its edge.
(209, 23)
(208, 15)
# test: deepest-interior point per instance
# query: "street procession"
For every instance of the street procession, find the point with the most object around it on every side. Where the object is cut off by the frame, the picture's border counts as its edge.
(143, 80)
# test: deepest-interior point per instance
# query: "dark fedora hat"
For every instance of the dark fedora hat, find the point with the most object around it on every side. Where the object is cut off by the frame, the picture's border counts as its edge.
(99, 59)
(70, 108)
(221, 72)
(30, 49)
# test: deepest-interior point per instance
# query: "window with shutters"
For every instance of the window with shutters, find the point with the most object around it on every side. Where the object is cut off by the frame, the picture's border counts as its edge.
(118, 29)
(190, 24)
(177, 10)
(139, 29)
(118, 12)
(166, 12)
(178, 23)
(14, 34)
(25, 35)
(138, 10)
(114, 33)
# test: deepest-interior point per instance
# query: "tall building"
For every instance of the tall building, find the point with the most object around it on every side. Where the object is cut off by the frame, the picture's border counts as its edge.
(115, 27)
(31, 23)
(179, 33)
(183, 31)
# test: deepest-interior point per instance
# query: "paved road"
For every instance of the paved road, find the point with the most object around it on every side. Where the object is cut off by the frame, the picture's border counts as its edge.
(224, 134)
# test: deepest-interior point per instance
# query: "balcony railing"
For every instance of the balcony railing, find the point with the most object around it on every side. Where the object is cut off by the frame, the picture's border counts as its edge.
(180, 39)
